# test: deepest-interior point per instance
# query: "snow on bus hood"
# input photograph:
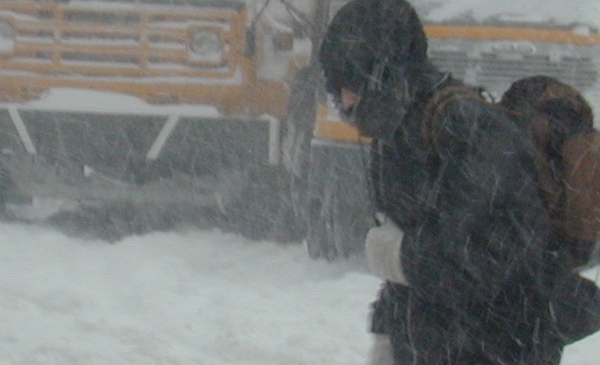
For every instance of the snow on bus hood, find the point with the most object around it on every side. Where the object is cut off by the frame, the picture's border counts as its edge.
(547, 12)
(93, 101)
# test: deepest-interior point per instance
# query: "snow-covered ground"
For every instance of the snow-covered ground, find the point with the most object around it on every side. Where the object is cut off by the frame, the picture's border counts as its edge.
(195, 297)
(189, 297)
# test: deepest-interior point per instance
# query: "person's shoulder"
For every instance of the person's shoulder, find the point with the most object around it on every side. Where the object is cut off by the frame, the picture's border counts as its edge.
(452, 93)
(454, 103)
(471, 105)
(458, 115)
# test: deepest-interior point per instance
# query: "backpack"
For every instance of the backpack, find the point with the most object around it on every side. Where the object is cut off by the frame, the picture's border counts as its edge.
(581, 176)
(569, 151)
(560, 122)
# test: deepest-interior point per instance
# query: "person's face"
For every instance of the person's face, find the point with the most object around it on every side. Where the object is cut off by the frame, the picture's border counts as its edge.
(376, 115)
(349, 100)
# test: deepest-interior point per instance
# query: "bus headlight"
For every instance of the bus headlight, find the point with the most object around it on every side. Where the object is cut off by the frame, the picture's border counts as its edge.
(206, 45)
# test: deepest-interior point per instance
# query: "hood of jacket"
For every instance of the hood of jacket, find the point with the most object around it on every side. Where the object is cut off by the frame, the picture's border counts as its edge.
(377, 49)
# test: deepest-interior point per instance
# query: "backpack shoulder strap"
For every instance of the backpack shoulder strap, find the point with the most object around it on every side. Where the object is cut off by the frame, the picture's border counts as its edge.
(435, 108)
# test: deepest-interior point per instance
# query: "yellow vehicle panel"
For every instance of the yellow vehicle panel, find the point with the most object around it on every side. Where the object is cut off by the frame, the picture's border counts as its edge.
(139, 49)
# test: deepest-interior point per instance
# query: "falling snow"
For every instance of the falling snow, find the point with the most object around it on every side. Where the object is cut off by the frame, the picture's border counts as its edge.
(204, 296)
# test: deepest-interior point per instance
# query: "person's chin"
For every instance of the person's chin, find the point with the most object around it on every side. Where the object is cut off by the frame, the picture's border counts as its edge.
(350, 118)
(348, 115)
(368, 132)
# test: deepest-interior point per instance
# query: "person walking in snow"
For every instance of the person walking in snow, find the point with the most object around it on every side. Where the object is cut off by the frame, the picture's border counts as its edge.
(464, 244)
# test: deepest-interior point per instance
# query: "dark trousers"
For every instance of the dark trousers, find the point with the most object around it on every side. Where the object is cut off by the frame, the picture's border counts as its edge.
(426, 334)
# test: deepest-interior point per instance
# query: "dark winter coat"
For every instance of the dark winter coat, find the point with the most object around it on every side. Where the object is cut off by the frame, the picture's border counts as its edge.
(486, 286)
(464, 191)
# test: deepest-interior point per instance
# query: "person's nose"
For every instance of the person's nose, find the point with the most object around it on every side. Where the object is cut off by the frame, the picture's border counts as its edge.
(349, 99)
